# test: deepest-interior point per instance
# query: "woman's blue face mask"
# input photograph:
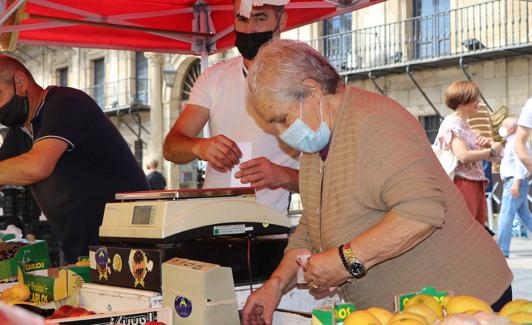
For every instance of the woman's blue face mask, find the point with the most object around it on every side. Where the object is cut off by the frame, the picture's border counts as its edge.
(302, 138)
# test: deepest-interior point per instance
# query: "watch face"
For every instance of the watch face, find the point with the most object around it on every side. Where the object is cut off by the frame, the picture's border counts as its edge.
(357, 269)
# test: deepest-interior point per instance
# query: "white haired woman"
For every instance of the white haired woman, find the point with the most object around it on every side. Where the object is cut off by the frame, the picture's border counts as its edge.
(380, 216)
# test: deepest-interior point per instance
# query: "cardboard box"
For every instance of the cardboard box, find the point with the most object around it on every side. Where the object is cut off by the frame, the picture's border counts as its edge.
(138, 317)
(34, 255)
(138, 268)
(59, 284)
(199, 293)
(104, 299)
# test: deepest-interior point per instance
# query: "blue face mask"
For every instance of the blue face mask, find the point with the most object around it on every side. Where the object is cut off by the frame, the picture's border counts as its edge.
(302, 138)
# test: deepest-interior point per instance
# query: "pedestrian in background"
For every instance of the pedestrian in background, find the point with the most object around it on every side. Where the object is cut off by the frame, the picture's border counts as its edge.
(515, 179)
(155, 178)
(470, 149)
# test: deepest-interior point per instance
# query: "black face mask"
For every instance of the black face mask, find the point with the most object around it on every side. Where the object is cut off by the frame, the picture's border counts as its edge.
(248, 44)
(15, 112)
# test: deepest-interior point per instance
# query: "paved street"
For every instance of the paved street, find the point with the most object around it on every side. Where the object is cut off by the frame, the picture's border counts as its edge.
(520, 262)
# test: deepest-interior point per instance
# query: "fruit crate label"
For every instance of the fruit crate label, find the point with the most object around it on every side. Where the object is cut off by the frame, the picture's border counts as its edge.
(230, 230)
(438, 295)
(341, 311)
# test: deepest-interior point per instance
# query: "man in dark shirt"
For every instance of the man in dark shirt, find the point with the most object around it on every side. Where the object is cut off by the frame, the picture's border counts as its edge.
(61, 144)
(155, 178)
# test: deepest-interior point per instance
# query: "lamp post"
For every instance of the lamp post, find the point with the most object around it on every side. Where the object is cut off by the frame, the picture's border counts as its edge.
(169, 75)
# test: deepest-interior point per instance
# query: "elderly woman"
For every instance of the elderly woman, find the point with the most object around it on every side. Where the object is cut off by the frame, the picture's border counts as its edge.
(456, 135)
(380, 216)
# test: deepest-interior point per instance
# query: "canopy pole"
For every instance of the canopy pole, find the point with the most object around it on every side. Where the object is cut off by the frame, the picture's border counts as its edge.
(6, 13)
(204, 61)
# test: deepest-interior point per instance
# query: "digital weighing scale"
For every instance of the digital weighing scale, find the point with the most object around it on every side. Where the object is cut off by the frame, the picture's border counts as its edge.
(177, 215)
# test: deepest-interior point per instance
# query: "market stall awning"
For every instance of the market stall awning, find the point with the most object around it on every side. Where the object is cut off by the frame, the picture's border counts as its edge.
(172, 26)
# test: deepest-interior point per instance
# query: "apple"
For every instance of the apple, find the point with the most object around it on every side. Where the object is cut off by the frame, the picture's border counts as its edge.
(515, 306)
(381, 314)
(487, 318)
(361, 317)
(423, 310)
(76, 312)
(403, 316)
(521, 317)
(464, 303)
(63, 310)
(429, 301)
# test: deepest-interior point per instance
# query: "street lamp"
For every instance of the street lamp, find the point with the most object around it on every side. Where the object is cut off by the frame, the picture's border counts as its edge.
(169, 74)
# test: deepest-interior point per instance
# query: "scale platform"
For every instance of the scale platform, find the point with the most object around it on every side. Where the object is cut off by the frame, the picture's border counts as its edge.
(177, 215)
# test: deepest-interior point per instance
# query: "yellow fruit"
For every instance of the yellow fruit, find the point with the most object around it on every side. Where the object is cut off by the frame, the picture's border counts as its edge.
(381, 314)
(20, 292)
(361, 317)
(423, 310)
(462, 319)
(6, 295)
(515, 306)
(462, 304)
(521, 317)
(406, 321)
(405, 316)
(429, 301)
(82, 263)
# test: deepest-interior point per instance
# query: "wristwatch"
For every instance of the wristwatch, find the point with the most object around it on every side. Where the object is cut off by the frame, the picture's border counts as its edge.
(493, 153)
(352, 264)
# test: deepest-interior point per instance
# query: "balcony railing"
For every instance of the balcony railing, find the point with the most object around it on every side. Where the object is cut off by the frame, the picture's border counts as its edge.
(480, 28)
(124, 93)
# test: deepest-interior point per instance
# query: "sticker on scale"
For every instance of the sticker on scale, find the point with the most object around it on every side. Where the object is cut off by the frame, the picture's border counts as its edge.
(230, 230)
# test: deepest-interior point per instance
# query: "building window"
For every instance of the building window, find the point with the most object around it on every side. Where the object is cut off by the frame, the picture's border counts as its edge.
(431, 125)
(62, 77)
(141, 78)
(337, 41)
(99, 82)
(432, 31)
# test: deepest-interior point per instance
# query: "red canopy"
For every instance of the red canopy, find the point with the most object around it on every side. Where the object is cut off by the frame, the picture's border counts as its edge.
(172, 26)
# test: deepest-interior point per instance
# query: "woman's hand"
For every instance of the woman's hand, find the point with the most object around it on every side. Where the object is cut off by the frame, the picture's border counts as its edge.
(484, 142)
(325, 270)
(262, 302)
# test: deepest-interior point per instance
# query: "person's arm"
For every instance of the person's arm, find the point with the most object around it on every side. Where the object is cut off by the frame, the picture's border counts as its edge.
(465, 155)
(181, 145)
(521, 138)
(389, 238)
(261, 304)
(33, 166)
(262, 173)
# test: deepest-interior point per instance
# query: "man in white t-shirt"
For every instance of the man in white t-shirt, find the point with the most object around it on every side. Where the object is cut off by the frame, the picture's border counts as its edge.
(524, 128)
(219, 98)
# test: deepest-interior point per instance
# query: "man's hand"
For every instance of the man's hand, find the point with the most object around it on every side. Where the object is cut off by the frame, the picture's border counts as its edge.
(219, 151)
(325, 270)
(514, 189)
(261, 173)
(262, 302)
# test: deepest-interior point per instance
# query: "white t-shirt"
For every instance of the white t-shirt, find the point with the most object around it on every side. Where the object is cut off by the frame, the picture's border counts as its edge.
(222, 90)
(511, 166)
(525, 119)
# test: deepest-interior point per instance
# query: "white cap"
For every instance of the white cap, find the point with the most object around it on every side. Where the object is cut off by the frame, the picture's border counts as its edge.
(246, 5)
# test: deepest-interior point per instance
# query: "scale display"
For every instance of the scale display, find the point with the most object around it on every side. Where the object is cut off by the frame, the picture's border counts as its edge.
(143, 215)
